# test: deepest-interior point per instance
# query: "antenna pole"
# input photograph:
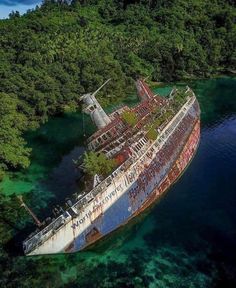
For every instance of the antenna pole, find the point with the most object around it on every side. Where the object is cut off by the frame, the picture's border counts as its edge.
(38, 223)
(94, 93)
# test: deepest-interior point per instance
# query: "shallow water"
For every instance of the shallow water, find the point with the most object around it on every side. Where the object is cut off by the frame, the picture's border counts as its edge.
(188, 239)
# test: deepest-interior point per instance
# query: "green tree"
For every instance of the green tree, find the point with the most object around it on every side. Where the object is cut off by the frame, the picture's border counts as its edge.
(50, 56)
(97, 163)
(13, 150)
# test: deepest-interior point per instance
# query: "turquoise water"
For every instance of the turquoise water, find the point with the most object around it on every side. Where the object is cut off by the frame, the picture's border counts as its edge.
(188, 239)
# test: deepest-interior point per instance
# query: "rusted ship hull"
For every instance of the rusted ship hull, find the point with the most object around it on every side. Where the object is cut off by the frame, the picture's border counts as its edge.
(130, 189)
(177, 170)
(139, 197)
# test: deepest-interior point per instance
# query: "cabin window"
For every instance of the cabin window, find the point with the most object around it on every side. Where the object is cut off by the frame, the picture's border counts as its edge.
(104, 137)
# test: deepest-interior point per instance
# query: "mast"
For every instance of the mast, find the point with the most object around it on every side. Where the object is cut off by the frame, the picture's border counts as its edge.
(94, 109)
(36, 220)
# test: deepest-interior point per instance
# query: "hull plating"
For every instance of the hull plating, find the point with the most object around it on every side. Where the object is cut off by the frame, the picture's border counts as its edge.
(141, 195)
(130, 191)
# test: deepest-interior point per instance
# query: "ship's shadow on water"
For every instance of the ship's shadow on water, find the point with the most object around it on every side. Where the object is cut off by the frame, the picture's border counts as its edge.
(52, 176)
(62, 181)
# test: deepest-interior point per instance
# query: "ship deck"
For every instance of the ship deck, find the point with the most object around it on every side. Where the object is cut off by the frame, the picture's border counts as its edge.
(84, 199)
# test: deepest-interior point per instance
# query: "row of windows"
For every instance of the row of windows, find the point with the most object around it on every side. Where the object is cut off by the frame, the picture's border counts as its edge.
(142, 110)
(108, 135)
(140, 144)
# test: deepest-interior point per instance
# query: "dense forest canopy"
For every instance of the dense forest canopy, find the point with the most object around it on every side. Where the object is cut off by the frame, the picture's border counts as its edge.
(50, 56)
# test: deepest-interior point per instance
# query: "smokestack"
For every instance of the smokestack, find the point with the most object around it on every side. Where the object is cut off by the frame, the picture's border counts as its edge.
(94, 109)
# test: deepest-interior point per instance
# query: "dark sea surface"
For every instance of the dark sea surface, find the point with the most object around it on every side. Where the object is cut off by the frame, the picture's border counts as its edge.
(187, 239)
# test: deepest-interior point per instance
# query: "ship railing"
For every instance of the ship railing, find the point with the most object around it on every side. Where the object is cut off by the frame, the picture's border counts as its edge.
(129, 162)
(165, 133)
(47, 232)
(140, 146)
(170, 127)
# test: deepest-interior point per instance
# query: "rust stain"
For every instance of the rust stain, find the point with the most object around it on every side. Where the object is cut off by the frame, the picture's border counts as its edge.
(93, 235)
(185, 157)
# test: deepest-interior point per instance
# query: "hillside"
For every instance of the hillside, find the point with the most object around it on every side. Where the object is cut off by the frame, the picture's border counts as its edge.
(50, 56)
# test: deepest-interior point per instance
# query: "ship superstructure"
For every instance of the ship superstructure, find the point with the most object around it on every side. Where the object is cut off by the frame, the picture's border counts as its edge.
(150, 155)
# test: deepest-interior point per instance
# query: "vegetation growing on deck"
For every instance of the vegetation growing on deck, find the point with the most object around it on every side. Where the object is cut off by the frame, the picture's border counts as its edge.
(97, 163)
(163, 115)
(130, 118)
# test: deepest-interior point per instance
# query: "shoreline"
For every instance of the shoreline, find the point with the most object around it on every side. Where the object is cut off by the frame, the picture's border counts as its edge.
(222, 74)
(153, 84)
